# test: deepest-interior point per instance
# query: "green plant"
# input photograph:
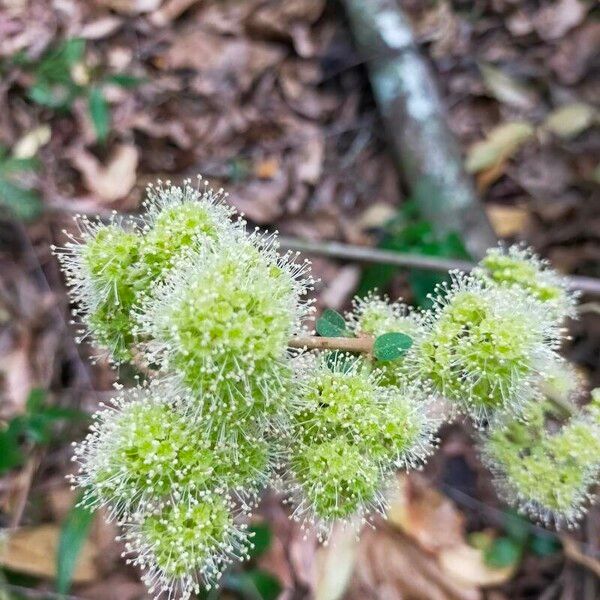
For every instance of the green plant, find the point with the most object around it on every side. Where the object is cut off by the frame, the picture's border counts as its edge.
(34, 427)
(61, 76)
(22, 201)
(241, 395)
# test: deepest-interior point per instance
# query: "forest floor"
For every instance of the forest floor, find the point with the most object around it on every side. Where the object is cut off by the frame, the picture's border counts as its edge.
(271, 101)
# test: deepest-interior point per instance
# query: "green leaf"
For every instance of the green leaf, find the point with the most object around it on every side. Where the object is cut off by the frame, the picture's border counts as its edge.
(331, 324)
(267, 586)
(544, 545)
(253, 585)
(73, 534)
(100, 113)
(23, 203)
(504, 552)
(261, 539)
(125, 81)
(10, 451)
(516, 527)
(35, 400)
(391, 346)
(53, 95)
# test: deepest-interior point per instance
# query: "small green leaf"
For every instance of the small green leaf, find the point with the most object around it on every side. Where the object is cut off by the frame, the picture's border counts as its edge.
(544, 545)
(504, 552)
(99, 112)
(10, 451)
(391, 346)
(253, 585)
(516, 527)
(331, 324)
(261, 539)
(73, 534)
(125, 81)
(23, 203)
(35, 400)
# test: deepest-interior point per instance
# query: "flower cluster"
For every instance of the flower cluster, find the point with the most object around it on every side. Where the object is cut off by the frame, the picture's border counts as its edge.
(241, 399)
(349, 431)
(547, 473)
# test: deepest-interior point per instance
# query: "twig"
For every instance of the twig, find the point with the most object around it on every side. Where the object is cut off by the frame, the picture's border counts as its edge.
(365, 254)
(573, 552)
(362, 344)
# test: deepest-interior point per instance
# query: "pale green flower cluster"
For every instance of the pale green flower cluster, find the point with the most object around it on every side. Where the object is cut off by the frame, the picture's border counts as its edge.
(187, 294)
(348, 432)
(547, 472)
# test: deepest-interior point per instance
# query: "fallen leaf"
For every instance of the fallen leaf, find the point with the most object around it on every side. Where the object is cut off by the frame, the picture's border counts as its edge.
(113, 180)
(425, 515)
(261, 200)
(131, 7)
(377, 215)
(575, 53)
(506, 89)
(466, 565)
(266, 168)
(507, 221)
(100, 28)
(501, 143)
(32, 551)
(488, 176)
(32, 141)
(390, 566)
(570, 120)
(553, 20)
(170, 11)
(309, 163)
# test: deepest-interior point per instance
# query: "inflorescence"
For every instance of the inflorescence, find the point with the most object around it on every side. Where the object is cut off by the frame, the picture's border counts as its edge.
(208, 309)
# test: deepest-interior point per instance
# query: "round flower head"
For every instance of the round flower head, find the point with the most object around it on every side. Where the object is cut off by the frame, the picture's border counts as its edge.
(334, 481)
(221, 322)
(348, 432)
(109, 267)
(143, 451)
(185, 547)
(177, 218)
(519, 266)
(374, 315)
(546, 475)
(98, 263)
(344, 396)
(483, 346)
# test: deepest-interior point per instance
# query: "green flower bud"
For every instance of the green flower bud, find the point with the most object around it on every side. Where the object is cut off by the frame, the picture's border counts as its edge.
(98, 267)
(546, 474)
(109, 267)
(144, 450)
(221, 322)
(334, 480)
(345, 410)
(185, 547)
(520, 267)
(483, 346)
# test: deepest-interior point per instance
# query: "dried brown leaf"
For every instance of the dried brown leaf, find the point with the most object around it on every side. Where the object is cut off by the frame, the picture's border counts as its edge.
(131, 7)
(466, 565)
(553, 20)
(425, 515)
(506, 89)
(570, 120)
(33, 550)
(507, 221)
(501, 143)
(113, 180)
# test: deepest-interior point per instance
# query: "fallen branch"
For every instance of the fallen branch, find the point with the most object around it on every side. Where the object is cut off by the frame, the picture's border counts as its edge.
(589, 285)
(427, 154)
